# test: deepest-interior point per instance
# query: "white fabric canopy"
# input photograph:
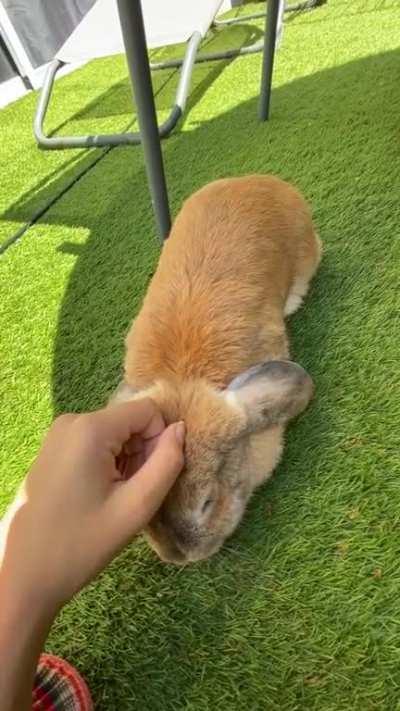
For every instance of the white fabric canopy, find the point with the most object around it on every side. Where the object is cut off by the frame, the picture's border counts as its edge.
(166, 22)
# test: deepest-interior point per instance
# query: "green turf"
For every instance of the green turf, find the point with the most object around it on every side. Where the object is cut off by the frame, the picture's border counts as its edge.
(300, 610)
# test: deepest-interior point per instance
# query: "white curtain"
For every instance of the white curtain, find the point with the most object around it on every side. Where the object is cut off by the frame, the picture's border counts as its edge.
(7, 68)
(42, 27)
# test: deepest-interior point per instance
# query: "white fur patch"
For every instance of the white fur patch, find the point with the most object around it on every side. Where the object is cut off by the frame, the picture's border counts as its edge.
(125, 393)
(296, 295)
(293, 303)
(231, 398)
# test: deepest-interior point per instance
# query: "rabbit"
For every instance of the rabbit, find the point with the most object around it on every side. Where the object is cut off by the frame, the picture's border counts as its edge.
(210, 347)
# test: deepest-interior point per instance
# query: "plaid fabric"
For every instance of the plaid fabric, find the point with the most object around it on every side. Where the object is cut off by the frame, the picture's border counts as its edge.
(59, 687)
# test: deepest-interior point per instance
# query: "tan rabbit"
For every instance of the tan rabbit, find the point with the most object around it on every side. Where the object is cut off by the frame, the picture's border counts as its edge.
(209, 346)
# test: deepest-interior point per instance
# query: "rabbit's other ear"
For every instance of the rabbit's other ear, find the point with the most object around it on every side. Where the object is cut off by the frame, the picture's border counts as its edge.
(123, 393)
(271, 393)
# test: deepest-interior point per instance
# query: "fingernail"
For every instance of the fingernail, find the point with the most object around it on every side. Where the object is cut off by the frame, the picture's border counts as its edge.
(180, 432)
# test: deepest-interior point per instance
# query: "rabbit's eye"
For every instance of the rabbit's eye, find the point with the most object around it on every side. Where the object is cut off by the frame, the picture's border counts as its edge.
(206, 505)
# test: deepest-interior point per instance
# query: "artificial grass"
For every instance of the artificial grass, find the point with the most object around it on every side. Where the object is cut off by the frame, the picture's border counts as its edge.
(300, 609)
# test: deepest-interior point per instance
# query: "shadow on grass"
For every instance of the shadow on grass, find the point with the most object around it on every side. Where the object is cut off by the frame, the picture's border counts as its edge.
(333, 137)
(116, 103)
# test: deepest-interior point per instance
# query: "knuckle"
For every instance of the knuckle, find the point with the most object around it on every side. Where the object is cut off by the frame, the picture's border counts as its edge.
(87, 424)
(87, 430)
(61, 422)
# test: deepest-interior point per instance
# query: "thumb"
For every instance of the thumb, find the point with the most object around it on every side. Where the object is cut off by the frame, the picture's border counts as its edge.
(137, 500)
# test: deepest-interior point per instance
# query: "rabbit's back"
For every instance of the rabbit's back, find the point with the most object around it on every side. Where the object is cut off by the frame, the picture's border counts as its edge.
(222, 282)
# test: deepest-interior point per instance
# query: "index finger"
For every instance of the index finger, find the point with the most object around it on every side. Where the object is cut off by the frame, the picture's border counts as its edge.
(118, 423)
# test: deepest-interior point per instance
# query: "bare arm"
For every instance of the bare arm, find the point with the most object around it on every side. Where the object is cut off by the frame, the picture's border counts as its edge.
(98, 479)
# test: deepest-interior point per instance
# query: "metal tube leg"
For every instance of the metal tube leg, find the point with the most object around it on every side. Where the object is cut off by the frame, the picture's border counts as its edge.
(268, 57)
(130, 12)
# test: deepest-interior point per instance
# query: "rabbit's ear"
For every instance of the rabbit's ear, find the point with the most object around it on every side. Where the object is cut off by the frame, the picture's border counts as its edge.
(123, 393)
(271, 393)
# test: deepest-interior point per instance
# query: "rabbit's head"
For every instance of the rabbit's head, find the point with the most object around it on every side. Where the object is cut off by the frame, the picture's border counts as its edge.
(233, 442)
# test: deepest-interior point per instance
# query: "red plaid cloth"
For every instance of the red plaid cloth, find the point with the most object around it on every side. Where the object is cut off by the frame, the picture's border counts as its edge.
(59, 687)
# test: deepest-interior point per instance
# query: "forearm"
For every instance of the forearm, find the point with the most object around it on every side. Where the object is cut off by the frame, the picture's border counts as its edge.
(24, 626)
(75, 498)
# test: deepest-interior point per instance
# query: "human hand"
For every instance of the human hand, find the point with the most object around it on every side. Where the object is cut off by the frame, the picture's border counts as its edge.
(97, 481)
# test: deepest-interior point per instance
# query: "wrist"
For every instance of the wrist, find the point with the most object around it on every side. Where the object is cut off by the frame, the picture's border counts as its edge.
(28, 606)
(26, 580)
(25, 621)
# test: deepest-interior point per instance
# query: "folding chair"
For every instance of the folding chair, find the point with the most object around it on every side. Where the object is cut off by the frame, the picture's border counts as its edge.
(133, 28)
(166, 22)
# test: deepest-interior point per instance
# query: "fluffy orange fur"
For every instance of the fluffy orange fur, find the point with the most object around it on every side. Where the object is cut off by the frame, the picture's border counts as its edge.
(216, 303)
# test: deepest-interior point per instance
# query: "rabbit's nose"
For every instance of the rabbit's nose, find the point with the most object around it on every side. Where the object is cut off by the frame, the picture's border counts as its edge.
(184, 534)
